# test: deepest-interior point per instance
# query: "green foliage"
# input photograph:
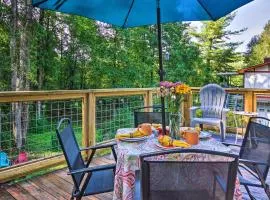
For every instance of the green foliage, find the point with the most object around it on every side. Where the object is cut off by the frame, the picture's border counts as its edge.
(72, 52)
(107, 128)
(259, 47)
(184, 63)
(4, 54)
(217, 50)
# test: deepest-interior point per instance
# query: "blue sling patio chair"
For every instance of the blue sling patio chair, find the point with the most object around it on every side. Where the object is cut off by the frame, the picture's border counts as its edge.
(87, 180)
(188, 179)
(212, 98)
(254, 156)
(149, 114)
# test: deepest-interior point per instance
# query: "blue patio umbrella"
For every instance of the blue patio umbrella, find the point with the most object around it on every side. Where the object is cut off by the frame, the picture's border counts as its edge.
(133, 13)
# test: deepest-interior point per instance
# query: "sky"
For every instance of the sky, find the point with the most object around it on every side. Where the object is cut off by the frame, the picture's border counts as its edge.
(252, 16)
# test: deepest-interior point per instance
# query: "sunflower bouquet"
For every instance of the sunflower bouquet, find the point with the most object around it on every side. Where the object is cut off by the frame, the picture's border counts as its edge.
(174, 93)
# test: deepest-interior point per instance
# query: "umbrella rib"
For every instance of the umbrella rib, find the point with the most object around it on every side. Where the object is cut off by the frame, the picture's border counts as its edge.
(38, 3)
(129, 10)
(60, 3)
(209, 14)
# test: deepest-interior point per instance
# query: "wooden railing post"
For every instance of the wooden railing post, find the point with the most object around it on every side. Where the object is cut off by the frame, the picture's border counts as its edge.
(85, 120)
(148, 99)
(250, 101)
(254, 102)
(186, 106)
(92, 119)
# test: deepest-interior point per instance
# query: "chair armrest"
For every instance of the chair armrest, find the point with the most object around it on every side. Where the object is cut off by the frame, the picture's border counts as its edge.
(92, 169)
(99, 146)
(230, 144)
(253, 162)
(192, 111)
(193, 108)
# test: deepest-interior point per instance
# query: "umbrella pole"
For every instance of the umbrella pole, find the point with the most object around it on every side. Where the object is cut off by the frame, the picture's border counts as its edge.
(161, 71)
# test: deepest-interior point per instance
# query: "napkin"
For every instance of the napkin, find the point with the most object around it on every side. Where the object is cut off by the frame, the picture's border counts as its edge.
(167, 141)
(135, 134)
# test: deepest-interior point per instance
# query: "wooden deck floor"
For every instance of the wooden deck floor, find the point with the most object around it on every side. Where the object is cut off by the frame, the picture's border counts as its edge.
(53, 186)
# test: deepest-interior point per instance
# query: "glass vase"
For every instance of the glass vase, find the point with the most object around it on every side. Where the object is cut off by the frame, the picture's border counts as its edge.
(175, 122)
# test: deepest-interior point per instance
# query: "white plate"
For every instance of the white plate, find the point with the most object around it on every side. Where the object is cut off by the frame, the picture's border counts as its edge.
(130, 130)
(125, 130)
(133, 139)
(204, 134)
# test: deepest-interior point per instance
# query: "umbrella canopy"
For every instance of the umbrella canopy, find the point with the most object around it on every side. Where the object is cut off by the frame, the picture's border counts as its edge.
(131, 13)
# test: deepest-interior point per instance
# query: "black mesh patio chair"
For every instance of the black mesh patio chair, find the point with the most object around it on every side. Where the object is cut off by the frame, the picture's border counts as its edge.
(87, 180)
(255, 155)
(188, 180)
(153, 115)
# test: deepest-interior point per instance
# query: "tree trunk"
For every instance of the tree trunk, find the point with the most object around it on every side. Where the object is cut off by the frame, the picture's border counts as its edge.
(14, 44)
(20, 64)
(15, 81)
(40, 56)
(40, 63)
(25, 63)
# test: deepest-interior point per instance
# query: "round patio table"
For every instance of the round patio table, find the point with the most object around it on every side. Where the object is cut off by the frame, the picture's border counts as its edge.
(242, 114)
(128, 162)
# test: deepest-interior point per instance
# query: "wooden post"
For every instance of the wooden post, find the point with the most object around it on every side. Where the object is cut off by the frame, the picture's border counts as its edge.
(92, 119)
(249, 101)
(85, 121)
(186, 106)
(254, 102)
(148, 99)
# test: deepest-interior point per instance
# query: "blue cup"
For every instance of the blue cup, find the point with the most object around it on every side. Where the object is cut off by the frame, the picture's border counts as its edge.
(4, 161)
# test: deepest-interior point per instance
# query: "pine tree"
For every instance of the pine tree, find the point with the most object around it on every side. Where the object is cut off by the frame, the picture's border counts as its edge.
(261, 48)
(218, 52)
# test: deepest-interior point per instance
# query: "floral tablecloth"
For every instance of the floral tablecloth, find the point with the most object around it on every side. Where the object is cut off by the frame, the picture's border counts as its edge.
(128, 162)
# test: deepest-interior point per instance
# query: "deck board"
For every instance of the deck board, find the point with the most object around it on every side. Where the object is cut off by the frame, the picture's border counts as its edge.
(37, 191)
(49, 185)
(53, 186)
(19, 193)
(5, 195)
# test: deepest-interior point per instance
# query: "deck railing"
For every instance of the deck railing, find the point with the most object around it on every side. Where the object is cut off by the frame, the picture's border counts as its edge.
(28, 120)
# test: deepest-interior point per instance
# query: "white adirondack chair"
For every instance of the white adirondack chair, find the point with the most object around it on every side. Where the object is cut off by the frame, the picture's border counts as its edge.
(212, 98)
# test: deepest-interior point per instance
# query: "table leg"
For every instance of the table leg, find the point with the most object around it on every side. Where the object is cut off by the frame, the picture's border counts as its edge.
(236, 126)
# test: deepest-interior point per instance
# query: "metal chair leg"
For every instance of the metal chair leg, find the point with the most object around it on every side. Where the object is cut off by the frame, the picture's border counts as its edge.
(222, 131)
(236, 126)
(249, 193)
(201, 126)
(267, 191)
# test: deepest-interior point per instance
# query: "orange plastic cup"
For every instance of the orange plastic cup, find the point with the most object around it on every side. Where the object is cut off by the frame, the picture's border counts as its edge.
(191, 136)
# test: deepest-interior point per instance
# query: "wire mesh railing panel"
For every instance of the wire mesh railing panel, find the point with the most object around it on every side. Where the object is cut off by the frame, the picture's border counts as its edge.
(196, 99)
(263, 105)
(156, 99)
(27, 129)
(113, 113)
(235, 102)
